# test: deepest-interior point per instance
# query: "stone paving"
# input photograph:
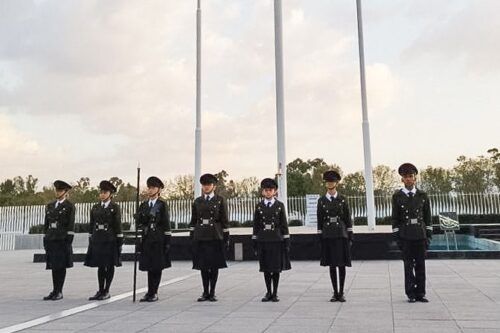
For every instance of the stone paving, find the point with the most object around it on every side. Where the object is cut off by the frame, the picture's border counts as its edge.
(464, 297)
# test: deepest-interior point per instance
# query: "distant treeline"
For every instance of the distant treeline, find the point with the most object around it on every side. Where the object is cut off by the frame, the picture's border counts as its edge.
(479, 174)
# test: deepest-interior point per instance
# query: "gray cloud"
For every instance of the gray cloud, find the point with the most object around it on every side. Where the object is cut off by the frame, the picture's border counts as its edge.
(127, 70)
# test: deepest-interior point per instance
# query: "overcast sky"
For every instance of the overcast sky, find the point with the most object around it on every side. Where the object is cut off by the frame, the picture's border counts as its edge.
(89, 88)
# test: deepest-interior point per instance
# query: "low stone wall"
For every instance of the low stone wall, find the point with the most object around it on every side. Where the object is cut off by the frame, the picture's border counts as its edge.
(34, 242)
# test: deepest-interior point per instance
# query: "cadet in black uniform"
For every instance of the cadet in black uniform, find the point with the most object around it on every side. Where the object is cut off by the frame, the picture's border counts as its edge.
(335, 231)
(59, 233)
(412, 228)
(270, 238)
(105, 239)
(210, 235)
(154, 221)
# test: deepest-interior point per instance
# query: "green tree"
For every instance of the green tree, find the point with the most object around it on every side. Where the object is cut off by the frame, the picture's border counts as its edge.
(181, 187)
(299, 181)
(436, 180)
(19, 191)
(124, 192)
(473, 175)
(353, 184)
(83, 192)
(247, 187)
(385, 180)
(495, 160)
(225, 187)
(306, 177)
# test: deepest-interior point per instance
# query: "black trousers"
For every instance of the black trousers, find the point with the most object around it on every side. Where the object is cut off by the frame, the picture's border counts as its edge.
(58, 277)
(209, 279)
(414, 264)
(273, 277)
(154, 278)
(105, 276)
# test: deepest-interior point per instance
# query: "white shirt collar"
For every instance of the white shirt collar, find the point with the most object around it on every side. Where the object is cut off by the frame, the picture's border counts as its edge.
(211, 195)
(106, 204)
(58, 202)
(152, 202)
(272, 201)
(329, 196)
(406, 191)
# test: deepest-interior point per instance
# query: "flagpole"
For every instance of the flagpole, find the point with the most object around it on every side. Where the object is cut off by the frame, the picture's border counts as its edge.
(197, 149)
(280, 108)
(370, 199)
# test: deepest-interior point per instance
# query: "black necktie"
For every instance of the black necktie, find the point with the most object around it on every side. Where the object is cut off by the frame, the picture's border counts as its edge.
(150, 204)
(410, 195)
(207, 198)
(268, 204)
(103, 205)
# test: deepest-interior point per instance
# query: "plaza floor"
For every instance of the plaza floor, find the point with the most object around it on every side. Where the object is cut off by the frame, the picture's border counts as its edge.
(464, 297)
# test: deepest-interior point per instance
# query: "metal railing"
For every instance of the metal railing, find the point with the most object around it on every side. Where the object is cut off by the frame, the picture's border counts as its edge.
(19, 219)
(7, 240)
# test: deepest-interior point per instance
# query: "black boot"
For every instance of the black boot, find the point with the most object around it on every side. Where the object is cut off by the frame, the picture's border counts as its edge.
(49, 296)
(276, 280)
(205, 278)
(333, 279)
(58, 287)
(341, 297)
(214, 275)
(203, 297)
(105, 282)
(267, 297)
(57, 296)
(104, 295)
(96, 296)
(422, 299)
(267, 279)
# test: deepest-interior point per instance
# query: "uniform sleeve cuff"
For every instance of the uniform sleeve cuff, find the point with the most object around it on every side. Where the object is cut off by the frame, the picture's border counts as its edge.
(395, 229)
(254, 237)
(286, 236)
(320, 231)
(71, 232)
(168, 233)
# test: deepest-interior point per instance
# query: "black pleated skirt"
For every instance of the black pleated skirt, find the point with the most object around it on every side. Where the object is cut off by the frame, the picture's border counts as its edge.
(153, 257)
(208, 255)
(335, 252)
(102, 254)
(59, 254)
(273, 257)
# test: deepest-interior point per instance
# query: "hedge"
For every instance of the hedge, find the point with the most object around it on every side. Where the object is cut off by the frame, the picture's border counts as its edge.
(464, 219)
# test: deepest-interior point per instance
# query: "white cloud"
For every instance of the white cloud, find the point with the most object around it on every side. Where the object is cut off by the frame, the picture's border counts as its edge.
(468, 35)
(13, 142)
(124, 72)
